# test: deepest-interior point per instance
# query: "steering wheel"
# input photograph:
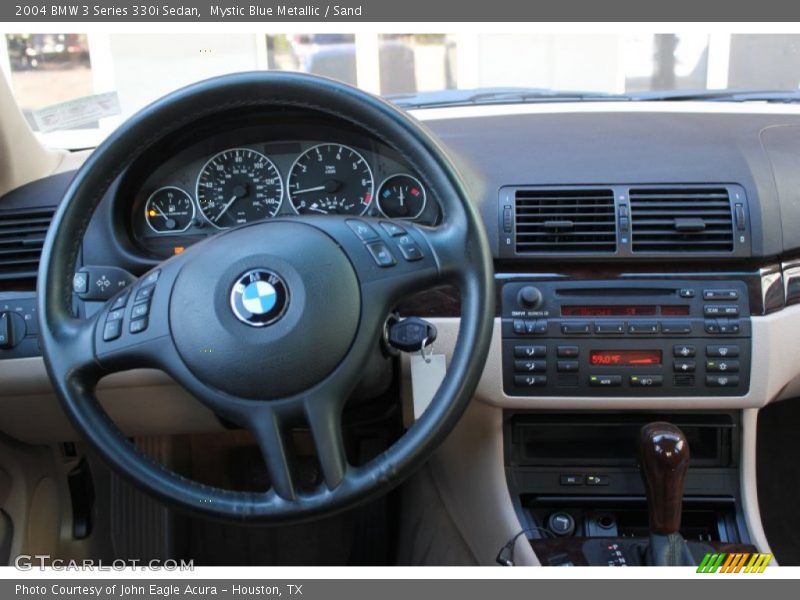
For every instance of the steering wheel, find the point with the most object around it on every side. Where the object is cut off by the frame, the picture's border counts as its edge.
(268, 324)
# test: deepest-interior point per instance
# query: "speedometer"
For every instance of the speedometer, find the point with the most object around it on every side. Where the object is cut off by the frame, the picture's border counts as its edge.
(238, 186)
(330, 179)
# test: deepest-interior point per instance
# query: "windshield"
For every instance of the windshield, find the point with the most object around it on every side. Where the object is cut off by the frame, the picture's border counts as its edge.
(75, 88)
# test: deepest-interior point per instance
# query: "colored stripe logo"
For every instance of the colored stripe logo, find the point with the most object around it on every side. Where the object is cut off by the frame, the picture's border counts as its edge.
(737, 562)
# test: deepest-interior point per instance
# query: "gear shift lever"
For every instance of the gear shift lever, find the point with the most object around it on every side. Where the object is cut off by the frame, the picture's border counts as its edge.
(664, 459)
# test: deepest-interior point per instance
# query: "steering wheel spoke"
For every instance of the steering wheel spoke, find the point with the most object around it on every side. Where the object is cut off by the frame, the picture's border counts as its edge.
(324, 416)
(267, 428)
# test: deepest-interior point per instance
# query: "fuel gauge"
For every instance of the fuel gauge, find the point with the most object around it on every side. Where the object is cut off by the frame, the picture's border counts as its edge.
(401, 197)
(169, 210)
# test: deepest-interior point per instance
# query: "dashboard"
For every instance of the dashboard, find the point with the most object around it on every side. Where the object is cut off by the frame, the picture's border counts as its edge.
(221, 177)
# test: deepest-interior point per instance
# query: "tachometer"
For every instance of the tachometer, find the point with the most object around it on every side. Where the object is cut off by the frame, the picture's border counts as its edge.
(238, 186)
(169, 210)
(330, 179)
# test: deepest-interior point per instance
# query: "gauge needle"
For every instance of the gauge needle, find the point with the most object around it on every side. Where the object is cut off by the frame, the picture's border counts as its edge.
(402, 197)
(319, 188)
(225, 208)
(161, 212)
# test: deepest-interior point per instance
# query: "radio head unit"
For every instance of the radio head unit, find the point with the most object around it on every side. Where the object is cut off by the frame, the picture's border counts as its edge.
(639, 337)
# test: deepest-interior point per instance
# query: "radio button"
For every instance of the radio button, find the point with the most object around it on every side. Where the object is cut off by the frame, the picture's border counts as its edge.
(612, 327)
(711, 326)
(530, 380)
(722, 380)
(646, 380)
(530, 351)
(726, 326)
(720, 295)
(567, 351)
(722, 366)
(686, 293)
(644, 327)
(723, 351)
(716, 310)
(676, 327)
(537, 327)
(684, 366)
(684, 351)
(519, 326)
(530, 366)
(576, 328)
(605, 380)
(567, 366)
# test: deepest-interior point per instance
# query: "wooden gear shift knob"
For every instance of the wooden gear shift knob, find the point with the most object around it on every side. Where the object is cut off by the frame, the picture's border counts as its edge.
(663, 459)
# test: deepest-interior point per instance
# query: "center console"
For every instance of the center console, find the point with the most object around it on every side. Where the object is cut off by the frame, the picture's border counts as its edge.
(649, 338)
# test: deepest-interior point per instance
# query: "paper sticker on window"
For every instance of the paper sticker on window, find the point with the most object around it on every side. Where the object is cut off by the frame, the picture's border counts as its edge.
(77, 113)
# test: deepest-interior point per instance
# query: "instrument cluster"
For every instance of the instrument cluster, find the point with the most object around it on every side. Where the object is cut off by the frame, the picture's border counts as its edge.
(237, 177)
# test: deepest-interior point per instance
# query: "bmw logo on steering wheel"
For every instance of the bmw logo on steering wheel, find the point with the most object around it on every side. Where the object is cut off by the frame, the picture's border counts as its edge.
(259, 297)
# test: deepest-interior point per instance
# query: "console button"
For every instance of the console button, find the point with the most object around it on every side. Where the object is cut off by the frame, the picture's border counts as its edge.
(530, 351)
(717, 310)
(726, 326)
(519, 326)
(597, 480)
(684, 366)
(722, 351)
(684, 350)
(567, 351)
(530, 380)
(720, 295)
(530, 366)
(138, 325)
(676, 327)
(711, 326)
(364, 232)
(383, 257)
(571, 479)
(722, 380)
(537, 327)
(112, 330)
(722, 366)
(576, 328)
(686, 293)
(643, 327)
(613, 327)
(646, 380)
(605, 380)
(567, 366)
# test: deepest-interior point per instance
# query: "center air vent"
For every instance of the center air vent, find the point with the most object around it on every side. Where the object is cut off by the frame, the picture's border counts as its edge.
(578, 220)
(22, 235)
(694, 220)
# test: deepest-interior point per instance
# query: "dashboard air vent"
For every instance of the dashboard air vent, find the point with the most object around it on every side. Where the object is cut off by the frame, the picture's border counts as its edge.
(22, 234)
(565, 220)
(696, 220)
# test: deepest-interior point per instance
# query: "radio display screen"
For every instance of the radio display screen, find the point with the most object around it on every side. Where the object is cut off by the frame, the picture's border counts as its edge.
(624, 358)
(623, 310)
(617, 310)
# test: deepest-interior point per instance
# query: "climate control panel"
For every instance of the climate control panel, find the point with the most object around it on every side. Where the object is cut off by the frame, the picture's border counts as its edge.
(649, 337)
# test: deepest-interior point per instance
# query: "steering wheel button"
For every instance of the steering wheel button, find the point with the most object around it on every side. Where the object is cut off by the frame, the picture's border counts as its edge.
(151, 278)
(115, 315)
(392, 229)
(410, 251)
(138, 325)
(144, 294)
(112, 330)
(364, 232)
(121, 300)
(140, 310)
(383, 257)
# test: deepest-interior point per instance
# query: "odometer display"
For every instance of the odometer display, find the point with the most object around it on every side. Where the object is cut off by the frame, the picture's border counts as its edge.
(330, 179)
(624, 358)
(238, 186)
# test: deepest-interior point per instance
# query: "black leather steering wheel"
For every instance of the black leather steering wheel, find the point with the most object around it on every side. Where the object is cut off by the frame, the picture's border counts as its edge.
(267, 366)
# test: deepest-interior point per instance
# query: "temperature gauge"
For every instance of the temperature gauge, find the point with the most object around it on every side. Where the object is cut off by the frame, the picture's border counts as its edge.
(401, 197)
(169, 210)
